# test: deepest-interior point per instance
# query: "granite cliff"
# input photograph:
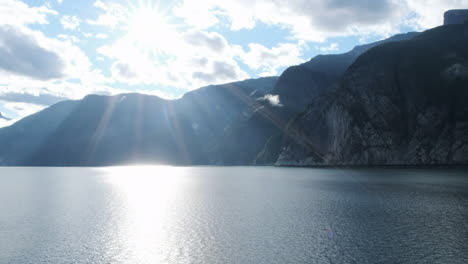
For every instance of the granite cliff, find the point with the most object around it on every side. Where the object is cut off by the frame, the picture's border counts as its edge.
(399, 103)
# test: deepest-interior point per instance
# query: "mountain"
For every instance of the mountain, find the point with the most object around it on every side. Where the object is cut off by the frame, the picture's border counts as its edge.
(107, 130)
(457, 16)
(296, 88)
(399, 103)
(215, 109)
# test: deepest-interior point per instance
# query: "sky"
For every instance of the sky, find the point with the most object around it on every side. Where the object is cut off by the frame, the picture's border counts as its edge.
(65, 49)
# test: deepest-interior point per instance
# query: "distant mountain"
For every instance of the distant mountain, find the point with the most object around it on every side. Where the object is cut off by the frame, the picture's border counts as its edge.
(337, 64)
(297, 87)
(399, 103)
(103, 130)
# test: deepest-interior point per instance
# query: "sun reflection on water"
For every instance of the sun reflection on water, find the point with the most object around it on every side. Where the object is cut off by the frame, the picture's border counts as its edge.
(148, 206)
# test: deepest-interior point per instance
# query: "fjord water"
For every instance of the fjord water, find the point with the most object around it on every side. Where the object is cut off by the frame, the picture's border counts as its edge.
(233, 215)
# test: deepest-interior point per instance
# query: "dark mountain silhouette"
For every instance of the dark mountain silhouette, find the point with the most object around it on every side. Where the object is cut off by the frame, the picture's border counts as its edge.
(399, 103)
(103, 130)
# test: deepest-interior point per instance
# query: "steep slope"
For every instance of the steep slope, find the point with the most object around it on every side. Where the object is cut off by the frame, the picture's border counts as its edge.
(399, 103)
(213, 110)
(102, 130)
(126, 128)
(19, 141)
(296, 88)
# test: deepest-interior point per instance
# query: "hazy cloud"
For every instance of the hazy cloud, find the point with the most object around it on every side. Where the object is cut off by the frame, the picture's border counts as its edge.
(114, 14)
(259, 57)
(21, 54)
(102, 36)
(121, 70)
(70, 22)
(221, 72)
(330, 48)
(337, 15)
(317, 20)
(14, 12)
(307, 19)
(40, 99)
(4, 117)
(214, 41)
(5, 122)
(456, 71)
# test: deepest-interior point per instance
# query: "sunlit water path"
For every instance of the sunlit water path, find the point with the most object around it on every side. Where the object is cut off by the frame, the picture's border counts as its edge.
(233, 215)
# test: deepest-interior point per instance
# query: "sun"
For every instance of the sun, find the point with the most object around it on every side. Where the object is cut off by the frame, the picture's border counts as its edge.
(150, 28)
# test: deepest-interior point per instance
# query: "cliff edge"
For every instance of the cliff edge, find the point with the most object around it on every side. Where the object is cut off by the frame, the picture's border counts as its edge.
(458, 16)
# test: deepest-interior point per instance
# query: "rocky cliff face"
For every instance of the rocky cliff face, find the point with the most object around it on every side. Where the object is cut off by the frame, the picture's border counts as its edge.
(399, 103)
(452, 17)
(297, 87)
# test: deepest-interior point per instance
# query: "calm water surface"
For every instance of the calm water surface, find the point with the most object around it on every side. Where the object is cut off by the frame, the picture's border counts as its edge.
(233, 215)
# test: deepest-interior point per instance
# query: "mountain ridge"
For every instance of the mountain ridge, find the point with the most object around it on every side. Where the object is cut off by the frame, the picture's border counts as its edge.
(416, 116)
(131, 127)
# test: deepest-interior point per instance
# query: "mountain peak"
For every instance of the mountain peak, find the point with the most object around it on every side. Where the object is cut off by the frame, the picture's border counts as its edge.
(456, 16)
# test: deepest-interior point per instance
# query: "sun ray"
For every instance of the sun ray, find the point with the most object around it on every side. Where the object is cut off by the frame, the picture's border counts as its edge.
(149, 26)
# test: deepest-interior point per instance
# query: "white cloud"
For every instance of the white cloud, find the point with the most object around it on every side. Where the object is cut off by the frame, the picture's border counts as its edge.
(308, 20)
(20, 109)
(102, 36)
(330, 48)
(274, 100)
(31, 61)
(70, 22)
(31, 54)
(113, 15)
(317, 20)
(185, 60)
(429, 13)
(220, 72)
(268, 60)
(4, 122)
(69, 38)
(212, 40)
(14, 12)
(20, 53)
(123, 71)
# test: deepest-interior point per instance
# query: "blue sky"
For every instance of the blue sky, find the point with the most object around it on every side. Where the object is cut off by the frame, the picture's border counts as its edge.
(65, 49)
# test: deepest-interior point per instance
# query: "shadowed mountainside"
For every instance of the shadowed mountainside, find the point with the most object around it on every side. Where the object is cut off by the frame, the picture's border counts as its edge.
(103, 130)
(399, 103)
(297, 87)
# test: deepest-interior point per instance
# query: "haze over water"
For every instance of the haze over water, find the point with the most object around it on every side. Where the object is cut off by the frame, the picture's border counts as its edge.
(233, 215)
